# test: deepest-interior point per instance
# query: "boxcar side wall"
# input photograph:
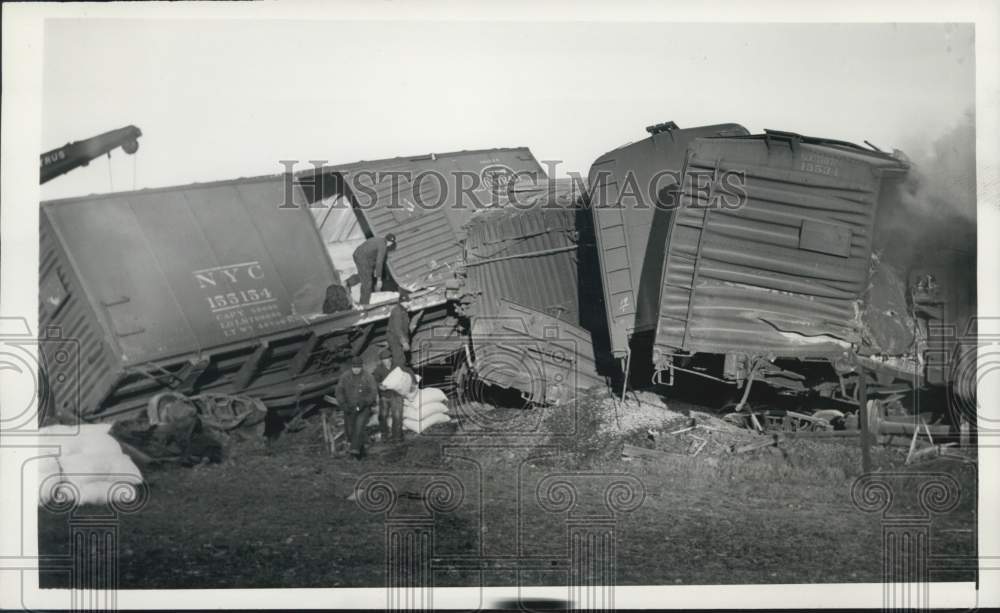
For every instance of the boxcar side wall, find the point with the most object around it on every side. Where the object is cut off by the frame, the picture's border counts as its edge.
(521, 289)
(527, 257)
(630, 189)
(184, 270)
(784, 272)
(207, 284)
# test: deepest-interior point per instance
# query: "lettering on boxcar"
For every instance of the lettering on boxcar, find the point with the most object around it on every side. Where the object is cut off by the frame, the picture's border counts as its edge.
(819, 164)
(239, 298)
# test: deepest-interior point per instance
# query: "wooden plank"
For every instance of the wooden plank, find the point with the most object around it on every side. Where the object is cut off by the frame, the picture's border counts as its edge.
(190, 373)
(362, 339)
(632, 451)
(415, 320)
(694, 280)
(823, 434)
(298, 363)
(866, 453)
(772, 441)
(907, 429)
(248, 371)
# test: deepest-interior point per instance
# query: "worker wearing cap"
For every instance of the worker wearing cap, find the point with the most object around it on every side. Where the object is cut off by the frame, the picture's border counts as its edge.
(391, 403)
(370, 258)
(397, 332)
(356, 394)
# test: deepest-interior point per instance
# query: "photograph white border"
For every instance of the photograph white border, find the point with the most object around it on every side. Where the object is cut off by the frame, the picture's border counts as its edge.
(22, 44)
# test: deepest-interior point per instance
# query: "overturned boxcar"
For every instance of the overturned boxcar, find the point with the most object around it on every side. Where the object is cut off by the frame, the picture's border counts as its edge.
(425, 200)
(214, 287)
(519, 311)
(758, 262)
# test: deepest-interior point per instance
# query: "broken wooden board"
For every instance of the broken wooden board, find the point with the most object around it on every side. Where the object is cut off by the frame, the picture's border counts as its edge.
(633, 451)
(772, 441)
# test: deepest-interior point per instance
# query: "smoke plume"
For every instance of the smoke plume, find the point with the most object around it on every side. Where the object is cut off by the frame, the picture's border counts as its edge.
(942, 183)
(934, 206)
(926, 224)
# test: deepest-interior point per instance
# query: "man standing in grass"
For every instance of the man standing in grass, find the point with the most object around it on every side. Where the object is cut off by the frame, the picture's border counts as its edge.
(391, 403)
(357, 394)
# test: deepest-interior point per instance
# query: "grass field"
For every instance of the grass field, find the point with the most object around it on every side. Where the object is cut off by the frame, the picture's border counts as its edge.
(283, 518)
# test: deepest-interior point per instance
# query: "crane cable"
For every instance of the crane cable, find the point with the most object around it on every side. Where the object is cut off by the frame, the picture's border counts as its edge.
(111, 183)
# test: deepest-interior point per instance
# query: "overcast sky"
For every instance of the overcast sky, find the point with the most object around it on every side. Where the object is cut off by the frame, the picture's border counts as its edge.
(222, 99)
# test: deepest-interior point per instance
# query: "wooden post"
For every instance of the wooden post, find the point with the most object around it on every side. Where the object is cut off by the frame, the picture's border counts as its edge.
(628, 366)
(866, 454)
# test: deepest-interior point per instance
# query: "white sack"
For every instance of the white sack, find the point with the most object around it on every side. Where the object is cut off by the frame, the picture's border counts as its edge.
(91, 468)
(94, 492)
(398, 381)
(420, 426)
(423, 411)
(85, 438)
(91, 463)
(428, 395)
(414, 395)
(91, 478)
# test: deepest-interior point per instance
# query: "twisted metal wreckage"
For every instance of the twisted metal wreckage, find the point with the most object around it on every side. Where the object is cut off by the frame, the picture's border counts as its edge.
(708, 251)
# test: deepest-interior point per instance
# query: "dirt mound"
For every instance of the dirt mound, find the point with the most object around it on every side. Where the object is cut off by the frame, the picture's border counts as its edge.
(639, 411)
(601, 424)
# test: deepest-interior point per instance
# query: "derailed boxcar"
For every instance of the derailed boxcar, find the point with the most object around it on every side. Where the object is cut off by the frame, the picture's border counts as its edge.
(214, 287)
(525, 291)
(629, 189)
(766, 268)
(781, 269)
(520, 313)
(425, 200)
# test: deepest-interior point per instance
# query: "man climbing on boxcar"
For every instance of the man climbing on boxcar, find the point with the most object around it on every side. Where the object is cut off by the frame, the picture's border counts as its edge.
(391, 402)
(357, 394)
(370, 258)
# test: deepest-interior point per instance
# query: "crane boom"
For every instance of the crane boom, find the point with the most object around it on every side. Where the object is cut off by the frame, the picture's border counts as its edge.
(73, 155)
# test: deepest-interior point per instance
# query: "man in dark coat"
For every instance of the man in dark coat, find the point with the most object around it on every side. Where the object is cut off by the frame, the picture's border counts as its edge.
(391, 405)
(397, 333)
(356, 393)
(370, 258)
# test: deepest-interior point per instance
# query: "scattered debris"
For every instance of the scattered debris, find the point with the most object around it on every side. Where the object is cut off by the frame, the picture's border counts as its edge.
(911, 426)
(781, 420)
(634, 451)
(686, 436)
(188, 430)
(770, 442)
(933, 451)
(331, 433)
